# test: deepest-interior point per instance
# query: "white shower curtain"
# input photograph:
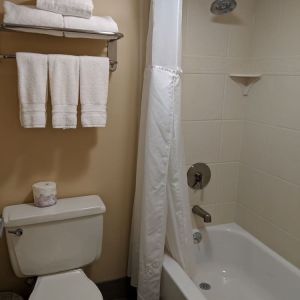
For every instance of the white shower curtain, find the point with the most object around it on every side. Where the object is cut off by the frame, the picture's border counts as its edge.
(161, 214)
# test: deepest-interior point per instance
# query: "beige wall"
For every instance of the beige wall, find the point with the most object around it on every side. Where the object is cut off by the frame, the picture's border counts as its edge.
(213, 105)
(81, 161)
(269, 190)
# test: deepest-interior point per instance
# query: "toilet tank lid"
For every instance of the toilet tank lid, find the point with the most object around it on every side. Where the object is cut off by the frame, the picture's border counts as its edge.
(68, 208)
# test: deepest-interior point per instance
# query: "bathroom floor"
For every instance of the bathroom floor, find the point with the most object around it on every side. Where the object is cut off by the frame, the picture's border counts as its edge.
(121, 299)
(119, 289)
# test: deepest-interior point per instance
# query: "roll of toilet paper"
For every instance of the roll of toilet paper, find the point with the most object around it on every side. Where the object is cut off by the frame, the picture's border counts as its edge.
(44, 193)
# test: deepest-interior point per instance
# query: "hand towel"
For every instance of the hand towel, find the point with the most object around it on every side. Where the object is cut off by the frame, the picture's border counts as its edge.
(64, 88)
(76, 8)
(33, 79)
(94, 79)
(96, 24)
(28, 15)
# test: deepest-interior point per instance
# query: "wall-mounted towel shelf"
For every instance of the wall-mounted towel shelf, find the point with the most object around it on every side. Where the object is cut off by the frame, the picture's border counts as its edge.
(110, 37)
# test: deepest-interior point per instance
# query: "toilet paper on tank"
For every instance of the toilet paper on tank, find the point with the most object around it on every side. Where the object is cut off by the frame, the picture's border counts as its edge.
(44, 193)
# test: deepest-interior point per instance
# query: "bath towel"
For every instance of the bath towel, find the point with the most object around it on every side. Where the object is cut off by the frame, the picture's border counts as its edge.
(76, 8)
(94, 79)
(96, 24)
(64, 89)
(32, 79)
(28, 15)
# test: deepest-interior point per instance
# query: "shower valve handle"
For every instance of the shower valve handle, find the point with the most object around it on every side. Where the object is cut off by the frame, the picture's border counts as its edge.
(198, 176)
(198, 179)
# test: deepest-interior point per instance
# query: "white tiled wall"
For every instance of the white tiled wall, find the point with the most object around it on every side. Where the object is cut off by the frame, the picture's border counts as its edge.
(213, 105)
(269, 185)
(252, 144)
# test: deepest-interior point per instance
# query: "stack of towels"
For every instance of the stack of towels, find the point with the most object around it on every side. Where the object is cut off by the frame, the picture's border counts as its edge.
(61, 14)
(71, 78)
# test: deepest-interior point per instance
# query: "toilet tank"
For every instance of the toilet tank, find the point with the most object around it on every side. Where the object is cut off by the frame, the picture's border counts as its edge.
(59, 238)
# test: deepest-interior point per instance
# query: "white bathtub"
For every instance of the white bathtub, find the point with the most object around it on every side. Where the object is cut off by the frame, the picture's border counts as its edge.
(236, 265)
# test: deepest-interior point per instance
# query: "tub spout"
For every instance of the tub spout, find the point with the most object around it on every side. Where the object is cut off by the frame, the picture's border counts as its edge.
(206, 216)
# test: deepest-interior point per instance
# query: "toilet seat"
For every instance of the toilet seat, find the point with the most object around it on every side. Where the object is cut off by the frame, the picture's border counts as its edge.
(72, 285)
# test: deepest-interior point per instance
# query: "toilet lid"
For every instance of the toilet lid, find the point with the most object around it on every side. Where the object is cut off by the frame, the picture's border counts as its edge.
(73, 285)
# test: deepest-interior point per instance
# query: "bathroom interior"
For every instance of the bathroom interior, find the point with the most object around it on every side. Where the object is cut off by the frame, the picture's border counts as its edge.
(214, 215)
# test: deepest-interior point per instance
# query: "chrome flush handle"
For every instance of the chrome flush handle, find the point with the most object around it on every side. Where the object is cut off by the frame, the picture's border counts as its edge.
(17, 232)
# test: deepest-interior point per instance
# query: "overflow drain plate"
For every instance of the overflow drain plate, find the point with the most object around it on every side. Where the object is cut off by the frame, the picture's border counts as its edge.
(205, 286)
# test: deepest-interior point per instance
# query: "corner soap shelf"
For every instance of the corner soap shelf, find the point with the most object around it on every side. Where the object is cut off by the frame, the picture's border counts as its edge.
(246, 80)
(110, 37)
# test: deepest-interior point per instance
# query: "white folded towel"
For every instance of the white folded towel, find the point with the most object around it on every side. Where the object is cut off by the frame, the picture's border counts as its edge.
(96, 24)
(76, 8)
(28, 15)
(94, 79)
(33, 80)
(64, 88)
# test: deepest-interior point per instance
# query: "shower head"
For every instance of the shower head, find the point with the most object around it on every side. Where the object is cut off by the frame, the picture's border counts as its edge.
(222, 7)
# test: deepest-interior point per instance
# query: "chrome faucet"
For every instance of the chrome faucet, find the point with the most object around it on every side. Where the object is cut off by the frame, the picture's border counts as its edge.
(206, 216)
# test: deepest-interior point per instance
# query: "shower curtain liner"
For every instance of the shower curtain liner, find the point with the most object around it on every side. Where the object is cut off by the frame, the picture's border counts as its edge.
(161, 216)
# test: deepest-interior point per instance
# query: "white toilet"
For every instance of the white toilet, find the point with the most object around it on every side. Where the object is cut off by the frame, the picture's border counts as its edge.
(53, 243)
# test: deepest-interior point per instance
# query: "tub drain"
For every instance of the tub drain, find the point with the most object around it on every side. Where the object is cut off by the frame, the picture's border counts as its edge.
(205, 286)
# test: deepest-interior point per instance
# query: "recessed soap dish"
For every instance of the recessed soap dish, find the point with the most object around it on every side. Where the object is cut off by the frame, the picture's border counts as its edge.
(246, 80)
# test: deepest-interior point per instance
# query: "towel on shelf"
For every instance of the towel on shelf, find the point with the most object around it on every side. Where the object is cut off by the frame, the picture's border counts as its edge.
(31, 16)
(33, 80)
(64, 88)
(96, 24)
(28, 15)
(76, 8)
(94, 80)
